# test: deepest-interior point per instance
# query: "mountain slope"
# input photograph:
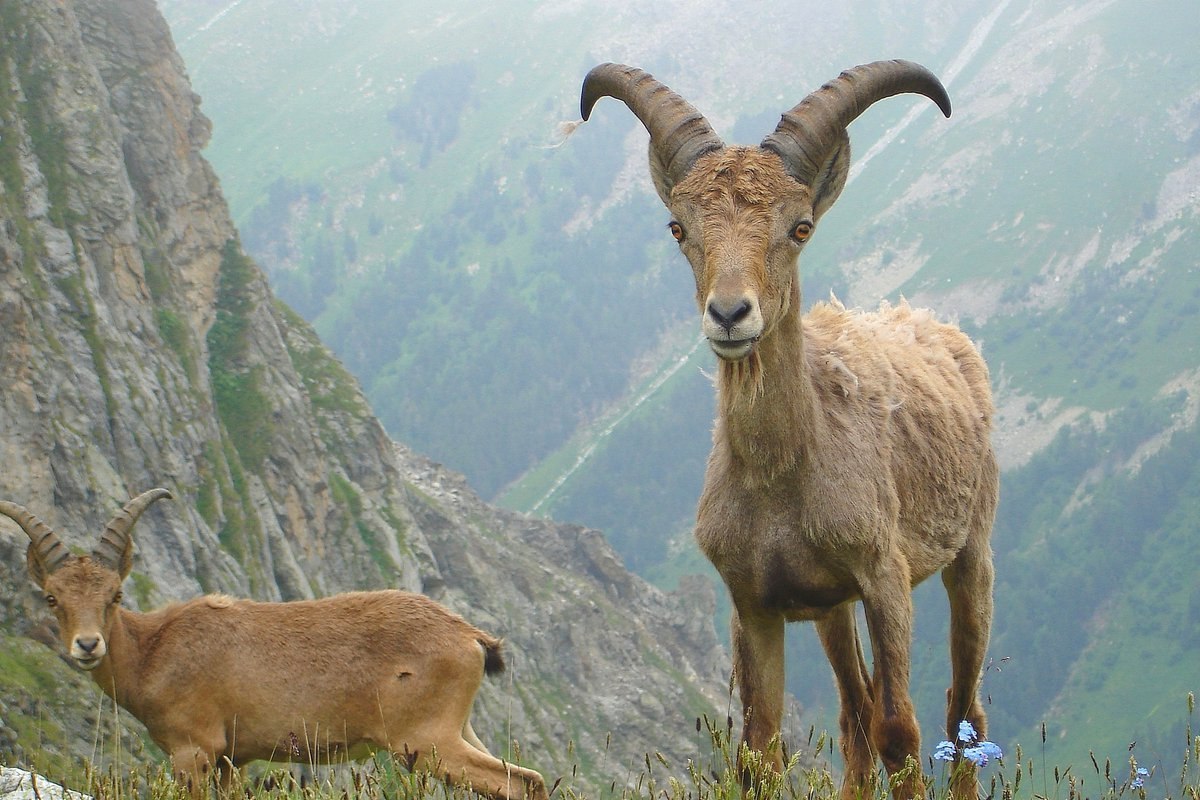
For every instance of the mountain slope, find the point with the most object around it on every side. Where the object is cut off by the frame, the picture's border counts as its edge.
(139, 346)
(409, 194)
(526, 290)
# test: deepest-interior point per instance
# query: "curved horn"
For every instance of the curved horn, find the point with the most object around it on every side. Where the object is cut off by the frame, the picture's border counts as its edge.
(51, 552)
(808, 134)
(679, 134)
(115, 538)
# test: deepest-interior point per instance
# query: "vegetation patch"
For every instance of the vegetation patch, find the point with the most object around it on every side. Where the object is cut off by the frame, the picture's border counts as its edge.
(348, 498)
(242, 527)
(12, 18)
(330, 387)
(75, 290)
(57, 714)
(399, 529)
(242, 404)
(177, 335)
(174, 330)
(47, 136)
(208, 493)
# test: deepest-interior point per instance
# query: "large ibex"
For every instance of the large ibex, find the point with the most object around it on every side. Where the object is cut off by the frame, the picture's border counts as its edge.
(851, 454)
(219, 682)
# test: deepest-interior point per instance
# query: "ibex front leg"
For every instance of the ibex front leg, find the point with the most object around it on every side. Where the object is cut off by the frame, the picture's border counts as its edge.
(839, 637)
(759, 672)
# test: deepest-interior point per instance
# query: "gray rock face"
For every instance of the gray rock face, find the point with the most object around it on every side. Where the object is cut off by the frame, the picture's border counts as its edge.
(139, 347)
(573, 617)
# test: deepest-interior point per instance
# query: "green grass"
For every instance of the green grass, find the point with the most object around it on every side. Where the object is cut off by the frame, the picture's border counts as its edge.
(715, 774)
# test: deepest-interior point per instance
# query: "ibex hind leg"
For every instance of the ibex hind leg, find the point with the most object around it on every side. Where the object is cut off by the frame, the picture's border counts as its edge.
(462, 765)
(968, 581)
(473, 739)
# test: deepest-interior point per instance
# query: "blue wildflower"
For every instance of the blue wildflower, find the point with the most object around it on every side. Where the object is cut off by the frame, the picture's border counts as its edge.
(1139, 779)
(973, 750)
(982, 753)
(991, 750)
(975, 755)
(945, 751)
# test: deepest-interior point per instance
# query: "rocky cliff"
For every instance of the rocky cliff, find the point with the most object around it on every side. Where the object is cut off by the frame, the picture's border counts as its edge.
(140, 347)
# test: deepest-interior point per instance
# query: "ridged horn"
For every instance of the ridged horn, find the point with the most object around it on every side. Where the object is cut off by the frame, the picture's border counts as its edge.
(115, 538)
(679, 134)
(808, 134)
(51, 552)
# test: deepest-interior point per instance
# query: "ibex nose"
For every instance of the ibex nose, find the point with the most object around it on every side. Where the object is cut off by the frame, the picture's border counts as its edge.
(729, 314)
(87, 644)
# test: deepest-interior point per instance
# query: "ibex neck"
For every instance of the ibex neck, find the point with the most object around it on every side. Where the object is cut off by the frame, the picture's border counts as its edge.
(119, 674)
(768, 409)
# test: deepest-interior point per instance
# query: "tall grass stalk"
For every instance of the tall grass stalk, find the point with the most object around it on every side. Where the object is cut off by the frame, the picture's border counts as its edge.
(717, 773)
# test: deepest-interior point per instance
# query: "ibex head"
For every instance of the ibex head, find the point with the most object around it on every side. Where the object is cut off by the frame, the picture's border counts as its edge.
(82, 591)
(741, 215)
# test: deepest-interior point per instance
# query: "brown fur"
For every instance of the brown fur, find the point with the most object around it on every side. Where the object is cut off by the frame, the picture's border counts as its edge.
(851, 460)
(219, 682)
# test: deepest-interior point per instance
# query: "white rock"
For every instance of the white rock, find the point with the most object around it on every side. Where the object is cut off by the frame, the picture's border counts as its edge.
(17, 784)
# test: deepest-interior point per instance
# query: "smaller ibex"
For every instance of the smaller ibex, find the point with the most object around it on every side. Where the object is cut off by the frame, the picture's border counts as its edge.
(220, 682)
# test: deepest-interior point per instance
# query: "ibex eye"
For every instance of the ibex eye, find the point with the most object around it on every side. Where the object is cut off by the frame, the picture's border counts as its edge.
(676, 230)
(117, 598)
(51, 600)
(802, 231)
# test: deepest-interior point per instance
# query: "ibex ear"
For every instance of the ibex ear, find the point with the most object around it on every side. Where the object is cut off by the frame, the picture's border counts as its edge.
(658, 174)
(831, 179)
(125, 562)
(37, 570)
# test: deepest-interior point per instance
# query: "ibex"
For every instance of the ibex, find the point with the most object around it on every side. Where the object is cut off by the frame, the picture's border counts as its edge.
(851, 454)
(219, 682)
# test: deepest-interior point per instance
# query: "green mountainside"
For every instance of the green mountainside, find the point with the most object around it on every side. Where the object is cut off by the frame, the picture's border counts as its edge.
(513, 306)
(400, 173)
